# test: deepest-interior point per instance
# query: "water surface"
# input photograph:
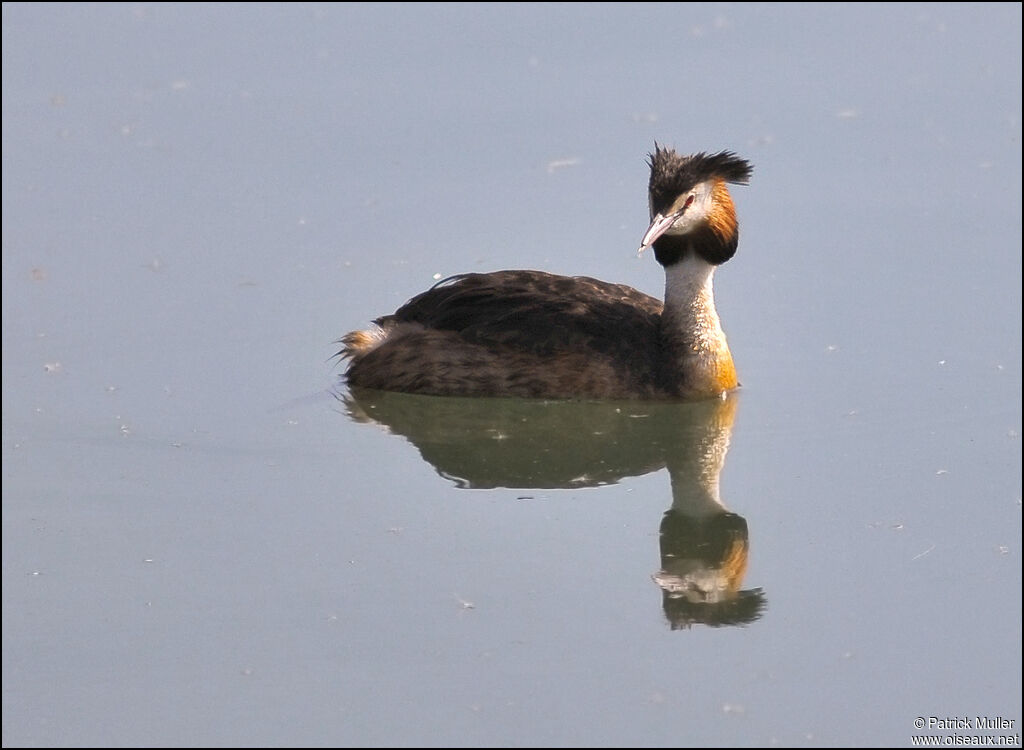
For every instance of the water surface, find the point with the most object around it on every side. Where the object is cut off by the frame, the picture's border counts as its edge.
(207, 542)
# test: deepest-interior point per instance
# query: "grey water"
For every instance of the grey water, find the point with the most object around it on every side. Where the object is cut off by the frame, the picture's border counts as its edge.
(209, 540)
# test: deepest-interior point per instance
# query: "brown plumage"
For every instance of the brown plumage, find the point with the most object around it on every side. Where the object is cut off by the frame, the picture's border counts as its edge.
(539, 335)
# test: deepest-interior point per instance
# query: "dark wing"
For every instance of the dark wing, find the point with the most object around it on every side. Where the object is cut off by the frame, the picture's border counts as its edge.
(539, 312)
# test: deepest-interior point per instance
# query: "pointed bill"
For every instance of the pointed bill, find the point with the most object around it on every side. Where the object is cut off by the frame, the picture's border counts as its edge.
(659, 225)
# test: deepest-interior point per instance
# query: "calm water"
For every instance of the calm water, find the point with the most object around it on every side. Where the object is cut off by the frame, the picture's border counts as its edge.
(207, 542)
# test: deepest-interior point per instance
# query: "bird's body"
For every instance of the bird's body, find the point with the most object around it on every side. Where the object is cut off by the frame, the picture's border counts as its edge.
(539, 335)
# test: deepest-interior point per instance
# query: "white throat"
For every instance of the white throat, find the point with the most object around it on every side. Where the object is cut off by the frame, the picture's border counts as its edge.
(691, 331)
(689, 292)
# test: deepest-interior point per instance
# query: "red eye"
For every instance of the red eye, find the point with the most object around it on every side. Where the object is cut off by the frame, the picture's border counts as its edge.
(689, 200)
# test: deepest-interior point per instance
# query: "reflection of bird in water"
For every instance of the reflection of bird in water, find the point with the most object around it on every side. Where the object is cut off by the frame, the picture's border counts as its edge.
(532, 444)
(703, 562)
(704, 546)
(534, 334)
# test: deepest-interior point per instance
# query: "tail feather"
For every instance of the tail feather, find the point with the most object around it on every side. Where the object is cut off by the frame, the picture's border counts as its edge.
(357, 344)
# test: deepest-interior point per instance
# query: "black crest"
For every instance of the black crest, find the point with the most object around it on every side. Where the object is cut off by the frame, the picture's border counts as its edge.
(672, 174)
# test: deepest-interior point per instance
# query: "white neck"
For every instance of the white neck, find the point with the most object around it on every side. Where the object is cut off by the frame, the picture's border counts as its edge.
(690, 301)
(691, 331)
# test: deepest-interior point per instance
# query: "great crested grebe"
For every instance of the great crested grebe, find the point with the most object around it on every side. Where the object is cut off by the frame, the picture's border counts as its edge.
(535, 334)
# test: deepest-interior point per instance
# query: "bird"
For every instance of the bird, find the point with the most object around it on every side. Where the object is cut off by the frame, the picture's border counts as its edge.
(533, 334)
